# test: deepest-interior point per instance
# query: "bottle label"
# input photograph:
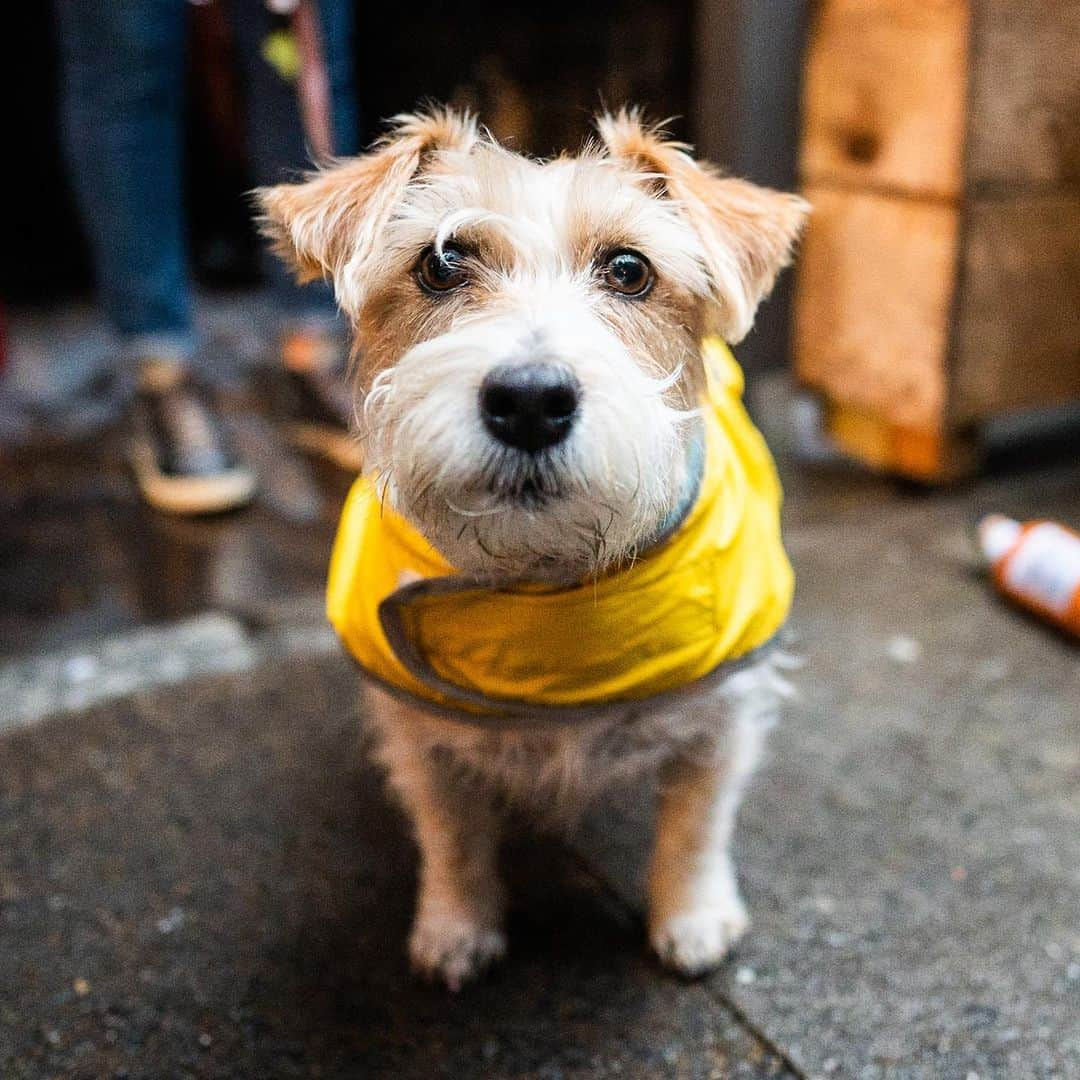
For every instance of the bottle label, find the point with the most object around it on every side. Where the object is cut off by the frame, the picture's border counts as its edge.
(1046, 567)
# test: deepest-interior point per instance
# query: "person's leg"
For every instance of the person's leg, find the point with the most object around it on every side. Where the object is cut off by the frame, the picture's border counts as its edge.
(313, 397)
(337, 19)
(277, 145)
(122, 111)
(122, 114)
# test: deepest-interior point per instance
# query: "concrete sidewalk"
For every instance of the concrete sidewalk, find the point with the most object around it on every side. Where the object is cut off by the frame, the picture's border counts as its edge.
(210, 883)
(205, 879)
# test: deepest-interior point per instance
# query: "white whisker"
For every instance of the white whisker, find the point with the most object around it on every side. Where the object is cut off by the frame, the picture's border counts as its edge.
(484, 512)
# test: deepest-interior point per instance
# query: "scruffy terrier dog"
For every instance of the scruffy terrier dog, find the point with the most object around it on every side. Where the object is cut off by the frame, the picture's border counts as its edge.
(562, 566)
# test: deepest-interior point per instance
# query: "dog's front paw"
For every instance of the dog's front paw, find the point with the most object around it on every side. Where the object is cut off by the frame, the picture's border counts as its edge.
(694, 942)
(454, 950)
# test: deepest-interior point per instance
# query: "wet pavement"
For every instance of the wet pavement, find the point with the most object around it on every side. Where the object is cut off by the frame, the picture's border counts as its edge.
(82, 556)
(200, 875)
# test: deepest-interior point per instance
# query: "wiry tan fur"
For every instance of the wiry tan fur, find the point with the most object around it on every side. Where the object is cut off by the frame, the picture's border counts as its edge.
(536, 234)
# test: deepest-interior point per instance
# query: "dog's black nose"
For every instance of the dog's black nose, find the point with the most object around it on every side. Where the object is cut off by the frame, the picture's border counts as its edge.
(529, 406)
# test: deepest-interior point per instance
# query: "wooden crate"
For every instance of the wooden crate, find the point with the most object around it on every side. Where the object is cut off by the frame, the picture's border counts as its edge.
(939, 283)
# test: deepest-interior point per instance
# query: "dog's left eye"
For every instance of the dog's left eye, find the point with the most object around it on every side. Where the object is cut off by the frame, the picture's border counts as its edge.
(441, 271)
(628, 273)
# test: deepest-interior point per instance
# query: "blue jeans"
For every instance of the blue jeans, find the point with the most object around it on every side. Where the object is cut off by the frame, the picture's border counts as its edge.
(122, 101)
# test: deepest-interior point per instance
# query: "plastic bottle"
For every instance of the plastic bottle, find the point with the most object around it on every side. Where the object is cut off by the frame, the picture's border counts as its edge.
(1037, 565)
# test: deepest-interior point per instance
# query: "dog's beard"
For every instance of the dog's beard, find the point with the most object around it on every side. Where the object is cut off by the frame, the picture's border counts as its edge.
(574, 509)
(538, 518)
(538, 525)
(530, 481)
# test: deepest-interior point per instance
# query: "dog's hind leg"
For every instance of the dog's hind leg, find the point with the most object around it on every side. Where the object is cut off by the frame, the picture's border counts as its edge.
(695, 911)
(457, 929)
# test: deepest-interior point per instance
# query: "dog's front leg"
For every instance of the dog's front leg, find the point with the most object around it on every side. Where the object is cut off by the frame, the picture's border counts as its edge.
(457, 929)
(695, 911)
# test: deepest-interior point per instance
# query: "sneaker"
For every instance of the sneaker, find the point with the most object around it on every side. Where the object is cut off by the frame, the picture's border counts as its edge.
(179, 451)
(314, 398)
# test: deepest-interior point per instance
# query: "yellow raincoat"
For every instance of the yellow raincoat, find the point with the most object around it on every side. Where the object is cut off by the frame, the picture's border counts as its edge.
(717, 588)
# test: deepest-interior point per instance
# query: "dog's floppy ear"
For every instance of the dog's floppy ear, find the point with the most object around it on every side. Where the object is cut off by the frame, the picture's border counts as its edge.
(334, 218)
(747, 232)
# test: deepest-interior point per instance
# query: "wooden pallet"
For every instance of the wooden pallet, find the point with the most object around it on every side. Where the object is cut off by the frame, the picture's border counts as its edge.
(939, 283)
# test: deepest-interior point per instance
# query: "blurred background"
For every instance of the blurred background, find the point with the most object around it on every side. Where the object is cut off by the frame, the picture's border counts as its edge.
(536, 79)
(195, 863)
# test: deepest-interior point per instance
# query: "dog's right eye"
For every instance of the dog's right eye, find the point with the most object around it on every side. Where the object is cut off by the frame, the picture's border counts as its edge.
(441, 271)
(628, 273)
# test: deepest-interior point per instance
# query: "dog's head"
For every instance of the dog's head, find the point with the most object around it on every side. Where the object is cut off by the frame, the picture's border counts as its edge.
(528, 332)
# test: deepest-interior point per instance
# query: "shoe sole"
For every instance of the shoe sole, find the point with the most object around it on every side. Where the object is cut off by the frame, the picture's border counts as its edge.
(335, 445)
(193, 495)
